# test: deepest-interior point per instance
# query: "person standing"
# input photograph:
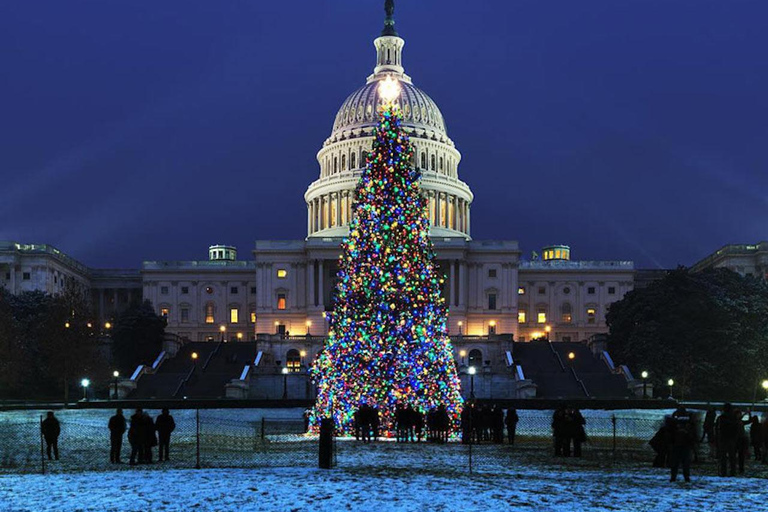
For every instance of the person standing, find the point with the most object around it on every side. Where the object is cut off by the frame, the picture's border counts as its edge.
(558, 431)
(511, 422)
(116, 430)
(756, 437)
(579, 433)
(683, 439)
(164, 425)
(150, 439)
(708, 430)
(51, 429)
(136, 437)
(727, 429)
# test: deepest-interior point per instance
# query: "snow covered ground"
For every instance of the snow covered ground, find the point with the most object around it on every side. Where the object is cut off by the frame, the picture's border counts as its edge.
(429, 489)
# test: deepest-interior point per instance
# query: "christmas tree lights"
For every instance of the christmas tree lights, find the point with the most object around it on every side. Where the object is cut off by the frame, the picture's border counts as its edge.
(388, 342)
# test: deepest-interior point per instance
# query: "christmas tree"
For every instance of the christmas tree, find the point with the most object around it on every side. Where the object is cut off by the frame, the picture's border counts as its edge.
(388, 342)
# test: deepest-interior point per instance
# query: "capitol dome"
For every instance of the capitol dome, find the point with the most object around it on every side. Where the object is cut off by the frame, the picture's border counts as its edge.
(342, 158)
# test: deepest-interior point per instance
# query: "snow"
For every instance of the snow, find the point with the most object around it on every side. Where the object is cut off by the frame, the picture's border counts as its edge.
(294, 489)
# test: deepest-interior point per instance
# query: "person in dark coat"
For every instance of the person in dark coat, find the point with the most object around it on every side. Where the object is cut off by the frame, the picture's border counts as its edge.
(51, 429)
(708, 430)
(661, 443)
(727, 430)
(497, 415)
(164, 425)
(578, 434)
(116, 430)
(511, 422)
(683, 441)
(150, 439)
(136, 437)
(559, 428)
(756, 437)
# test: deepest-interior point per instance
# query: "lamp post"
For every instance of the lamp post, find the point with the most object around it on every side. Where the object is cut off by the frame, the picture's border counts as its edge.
(471, 372)
(303, 354)
(548, 330)
(222, 330)
(461, 325)
(644, 375)
(239, 336)
(670, 383)
(115, 375)
(85, 383)
(285, 382)
(194, 357)
(463, 354)
(309, 327)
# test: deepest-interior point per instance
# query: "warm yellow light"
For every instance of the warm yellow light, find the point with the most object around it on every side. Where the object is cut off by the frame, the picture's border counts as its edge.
(461, 323)
(89, 324)
(194, 355)
(492, 323)
(239, 335)
(107, 325)
(115, 374)
(462, 353)
(222, 328)
(309, 323)
(389, 89)
(765, 384)
(66, 325)
(282, 273)
(670, 382)
(571, 355)
(277, 322)
(536, 334)
(548, 329)
(303, 353)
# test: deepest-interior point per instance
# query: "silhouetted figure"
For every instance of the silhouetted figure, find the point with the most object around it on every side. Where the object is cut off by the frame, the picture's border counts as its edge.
(559, 432)
(401, 424)
(577, 433)
(708, 430)
(511, 422)
(51, 429)
(661, 443)
(497, 418)
(742, 450)
(756, 437)
(683, 440)
(357, 422)
(116, 430)
(137, 437)
(150, 439)
(374, 422)
(164, 425)
(418, 424)
(727, 429)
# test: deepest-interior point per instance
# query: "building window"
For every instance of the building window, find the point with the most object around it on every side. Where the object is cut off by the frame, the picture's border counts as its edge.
(491, 329)
(253, 290)
(611, 290)
(209, 317)
(492, 301)
(423, 161)
(521, 290)
(253, 317)
(491, 272)
(164, 313)
(282, 273)
(353, 161)
(566, 313)
(26, 276)
(591, 290)
(293, 360)
(233, 290)
(163, 290)
(521, 317)
(234, 315)
(343, 162)
(475, 358)
(185, 315)
(280, 301)
(541, 316)
(184, 290)
(432, 163)
(55, 279)
(542, 290)
(442, 166)
(590, 315)
(566, 290)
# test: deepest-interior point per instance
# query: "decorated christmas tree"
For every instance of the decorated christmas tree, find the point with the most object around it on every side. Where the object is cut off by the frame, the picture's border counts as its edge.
(388, 342)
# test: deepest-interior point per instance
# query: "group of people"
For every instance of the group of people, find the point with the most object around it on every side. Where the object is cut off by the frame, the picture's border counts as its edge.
(409, 424)
(484, 423)
(675, 443)
(366, 423)
(143, 435)
(568, 428)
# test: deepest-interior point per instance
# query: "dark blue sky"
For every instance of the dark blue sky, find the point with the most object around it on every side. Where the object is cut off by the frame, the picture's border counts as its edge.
(631, 129)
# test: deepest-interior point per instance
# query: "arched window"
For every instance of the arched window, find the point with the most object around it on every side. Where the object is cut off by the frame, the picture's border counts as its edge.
(565, 311)
(475, 358)
(423, 160)
(432, 163)
(209, 313)
(335, 164)
(293, 360)
(591, 314)
(353, 161)
(442, 164)
(343, 162)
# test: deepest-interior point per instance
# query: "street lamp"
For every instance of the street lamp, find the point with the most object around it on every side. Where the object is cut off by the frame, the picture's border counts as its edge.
(285, 382)
(303, 354)
(463, 354)
(222, 330)
(239, 336)
(309, 327)
(108, 325)
(115, 375)
(548, 330)
(85, 383)
(571, 356)
(644, 375)
(461, 324)
(670, 383)
(472, 371)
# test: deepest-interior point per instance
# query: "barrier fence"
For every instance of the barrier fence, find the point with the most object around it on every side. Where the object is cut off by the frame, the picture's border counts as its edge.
(232, 438)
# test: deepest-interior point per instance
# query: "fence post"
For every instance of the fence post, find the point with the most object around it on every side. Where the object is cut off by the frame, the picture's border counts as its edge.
(471, 436)
(42, 447)
(197, 436)
(613, 420)
(263, 424)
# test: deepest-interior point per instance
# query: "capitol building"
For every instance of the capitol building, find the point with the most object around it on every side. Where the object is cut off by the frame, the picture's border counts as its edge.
(280, 290)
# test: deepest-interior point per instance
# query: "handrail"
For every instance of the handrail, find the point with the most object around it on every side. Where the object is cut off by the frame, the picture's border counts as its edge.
(557, 356)
(213, 353)
(246, 372)
(184, 381)
(158, 361)
(608, 360)
(580, 382)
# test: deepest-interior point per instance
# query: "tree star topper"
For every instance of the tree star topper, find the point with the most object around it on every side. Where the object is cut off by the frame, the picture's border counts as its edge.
(389, 90)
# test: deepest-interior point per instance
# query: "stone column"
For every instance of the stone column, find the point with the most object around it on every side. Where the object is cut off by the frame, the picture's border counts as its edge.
(452, 296)
(338, 208)
(311, 283)
(320, 289)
